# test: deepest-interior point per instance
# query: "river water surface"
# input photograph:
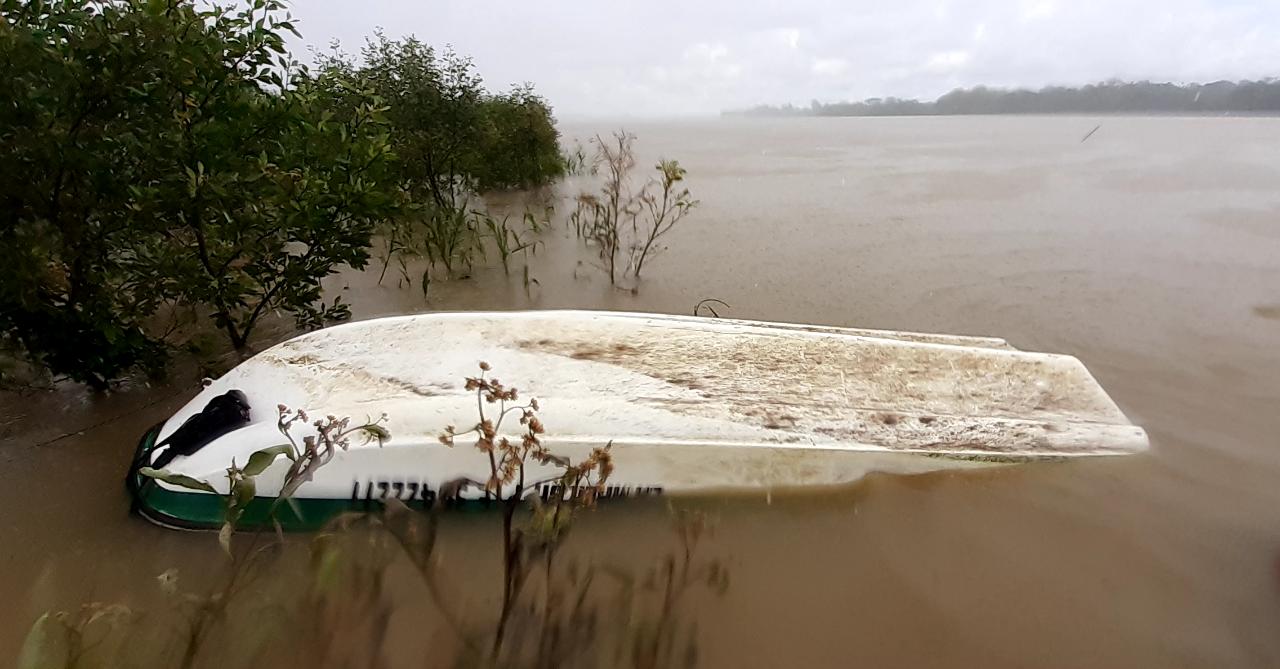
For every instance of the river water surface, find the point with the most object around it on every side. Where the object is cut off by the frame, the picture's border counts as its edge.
(1150, 251)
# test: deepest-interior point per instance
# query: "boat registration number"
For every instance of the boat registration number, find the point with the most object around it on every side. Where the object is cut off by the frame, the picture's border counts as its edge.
(383, 489)
(407, 490)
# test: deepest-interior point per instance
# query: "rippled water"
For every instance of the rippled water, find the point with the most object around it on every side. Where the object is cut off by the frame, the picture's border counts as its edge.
(1150, 251)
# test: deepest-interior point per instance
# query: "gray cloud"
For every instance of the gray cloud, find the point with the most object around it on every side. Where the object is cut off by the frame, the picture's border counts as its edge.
(666, 58)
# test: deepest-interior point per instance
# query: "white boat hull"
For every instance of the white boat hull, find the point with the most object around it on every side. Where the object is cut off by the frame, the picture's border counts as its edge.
(688, 403)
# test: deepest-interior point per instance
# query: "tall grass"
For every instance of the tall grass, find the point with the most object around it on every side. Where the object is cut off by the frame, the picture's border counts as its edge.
(576, 162)
(507, 240)
(454, 238)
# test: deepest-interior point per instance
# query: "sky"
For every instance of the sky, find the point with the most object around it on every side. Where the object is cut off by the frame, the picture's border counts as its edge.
(609, 58)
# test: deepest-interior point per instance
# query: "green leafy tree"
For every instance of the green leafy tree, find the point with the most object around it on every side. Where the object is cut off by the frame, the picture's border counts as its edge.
(161, 153)
(271, 191)
(433, 100)
(452, 139)
(520, 147)
(76, 130)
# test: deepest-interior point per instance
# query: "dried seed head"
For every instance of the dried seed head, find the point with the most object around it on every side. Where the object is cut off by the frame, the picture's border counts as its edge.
(510, 467)
(604, 465)
(484, 366)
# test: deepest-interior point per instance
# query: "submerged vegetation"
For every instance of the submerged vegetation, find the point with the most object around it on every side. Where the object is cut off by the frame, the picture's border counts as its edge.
(257, 613)
(453, 140)
(623, 221)
(167, 167)
(160, 156)
(164, 163)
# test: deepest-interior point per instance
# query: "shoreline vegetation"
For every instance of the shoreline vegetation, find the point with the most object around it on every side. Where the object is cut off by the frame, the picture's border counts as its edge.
(171, 175)
(1245, 98)
(171, 179)
(168, 167)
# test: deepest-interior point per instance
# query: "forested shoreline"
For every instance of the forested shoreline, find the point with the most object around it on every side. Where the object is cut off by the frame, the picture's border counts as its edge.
(1112, 97)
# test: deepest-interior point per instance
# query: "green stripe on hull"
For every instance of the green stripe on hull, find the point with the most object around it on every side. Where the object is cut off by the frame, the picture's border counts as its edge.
(199, 510)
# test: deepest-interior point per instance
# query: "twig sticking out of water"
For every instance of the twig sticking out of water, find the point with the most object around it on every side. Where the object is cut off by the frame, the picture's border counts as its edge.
(1086, 137)
(709, 305)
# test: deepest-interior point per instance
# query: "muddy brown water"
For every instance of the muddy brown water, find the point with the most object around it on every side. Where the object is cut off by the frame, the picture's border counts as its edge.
(1150, 251)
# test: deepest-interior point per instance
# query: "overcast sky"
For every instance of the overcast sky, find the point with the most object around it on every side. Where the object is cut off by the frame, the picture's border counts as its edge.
(661, 58)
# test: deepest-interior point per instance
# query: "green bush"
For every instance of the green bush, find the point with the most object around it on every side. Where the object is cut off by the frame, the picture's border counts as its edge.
(453, 139)
(76, 137)
(160, 156)
(520, 147)
(155, 154)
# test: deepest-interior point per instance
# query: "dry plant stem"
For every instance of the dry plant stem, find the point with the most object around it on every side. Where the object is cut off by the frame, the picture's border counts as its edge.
(213, 607)
(709, 304)
(331, 434)
(621, 218)
(507, 461)
(658, 215)
(422, 562)
(607, 215)
(510, 579)
(547, 604)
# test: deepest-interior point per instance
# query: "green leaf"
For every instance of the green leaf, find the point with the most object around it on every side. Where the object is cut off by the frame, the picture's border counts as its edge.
(45, 646)
(242, 495)
(177, 479)
(327, 562)
(224, 537)
(260, 460)
(382, 434)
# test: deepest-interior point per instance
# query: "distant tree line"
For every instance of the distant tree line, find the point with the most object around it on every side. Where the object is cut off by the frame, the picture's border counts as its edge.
(164, 163)
(1220, 97)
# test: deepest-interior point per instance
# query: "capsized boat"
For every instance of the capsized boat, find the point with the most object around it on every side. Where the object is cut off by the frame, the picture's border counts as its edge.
(688, 404)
